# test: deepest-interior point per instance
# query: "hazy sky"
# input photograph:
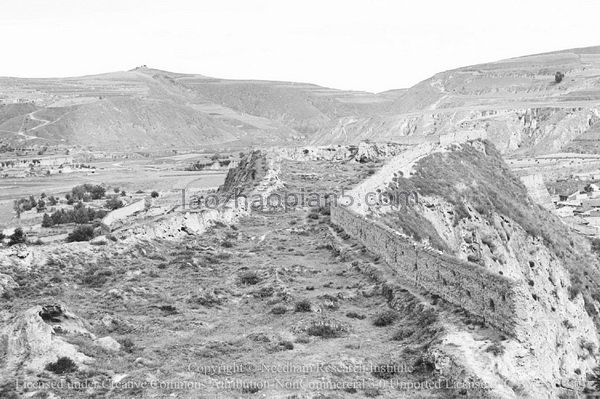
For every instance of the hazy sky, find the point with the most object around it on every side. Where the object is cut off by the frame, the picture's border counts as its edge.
(371, 45)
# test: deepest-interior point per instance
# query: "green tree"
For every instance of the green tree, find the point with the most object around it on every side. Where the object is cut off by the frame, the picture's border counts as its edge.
(47, 221)
(41, 205)
(18, 237)
(113, 203)
(81, 233)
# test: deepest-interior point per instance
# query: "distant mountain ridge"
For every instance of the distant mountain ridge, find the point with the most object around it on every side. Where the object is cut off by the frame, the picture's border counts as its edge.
(515, 101)
(148, 108)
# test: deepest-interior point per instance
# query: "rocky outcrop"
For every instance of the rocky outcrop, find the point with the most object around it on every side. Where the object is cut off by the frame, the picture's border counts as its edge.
(527, 130)
(252, 168)
(557, 336)
(35, 338)
(6, 283)
(109, 344)
(180, 224)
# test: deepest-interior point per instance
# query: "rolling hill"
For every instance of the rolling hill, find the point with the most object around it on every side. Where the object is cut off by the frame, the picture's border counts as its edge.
(516, 102)
(146, 108)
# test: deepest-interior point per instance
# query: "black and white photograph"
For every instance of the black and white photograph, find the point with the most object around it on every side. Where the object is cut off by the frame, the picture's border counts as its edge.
(284, 199)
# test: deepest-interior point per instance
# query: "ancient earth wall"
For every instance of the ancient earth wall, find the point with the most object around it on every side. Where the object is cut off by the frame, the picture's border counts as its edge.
(122, 213)
(321, 153)
(250, 170)
(537, 190)
(461, 136)
(467, 285)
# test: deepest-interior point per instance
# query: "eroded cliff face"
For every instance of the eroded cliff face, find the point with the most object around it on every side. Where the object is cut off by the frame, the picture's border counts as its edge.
(559, 339)
(533, 131)
(524, 131)
(251, 169)
(502, 232)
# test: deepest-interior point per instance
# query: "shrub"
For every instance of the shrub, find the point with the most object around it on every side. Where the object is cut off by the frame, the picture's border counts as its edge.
(154, 194)
(127, 345)
(474, 258)
(325, 211)
(41, 205)
(79, 214)
(324, 330)
(249, 278)
(596, 378)
(558, 77)
(88, 190)
(403, 334)
(63, 365)
(567, 324)
(279, 310)
(47, 221)
(17, 237)
(81, 233)
(95, 277)
(371, 392)
(589, 346)
(354, 315)
(287, 345)
(596, 246)
(385, 371)
(385, 318)
(113, 203)
(423, 365)
(264, 292)
(496, 349)
(574, 290)
(426, 318)
(250, 389)
(303, 306)
(7, 391)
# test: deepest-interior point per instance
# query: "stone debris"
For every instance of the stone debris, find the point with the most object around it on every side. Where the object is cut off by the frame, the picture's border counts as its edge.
(109, 343)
